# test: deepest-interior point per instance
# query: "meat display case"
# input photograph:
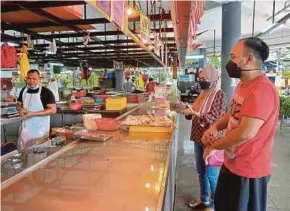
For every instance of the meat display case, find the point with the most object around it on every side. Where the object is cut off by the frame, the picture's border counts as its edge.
(128, 172)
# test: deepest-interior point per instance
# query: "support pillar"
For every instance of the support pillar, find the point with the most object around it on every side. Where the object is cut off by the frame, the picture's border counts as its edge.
(231, 33)
(119, 79)
(202, 61)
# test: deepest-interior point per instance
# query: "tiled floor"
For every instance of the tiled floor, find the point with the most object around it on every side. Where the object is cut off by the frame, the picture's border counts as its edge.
(187, 187)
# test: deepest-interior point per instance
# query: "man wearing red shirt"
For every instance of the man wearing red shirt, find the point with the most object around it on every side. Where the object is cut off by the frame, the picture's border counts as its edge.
(150, 86)
(250, 126)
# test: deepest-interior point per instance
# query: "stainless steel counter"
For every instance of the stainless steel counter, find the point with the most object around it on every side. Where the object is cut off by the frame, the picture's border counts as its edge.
(129, 172)
(9, 121)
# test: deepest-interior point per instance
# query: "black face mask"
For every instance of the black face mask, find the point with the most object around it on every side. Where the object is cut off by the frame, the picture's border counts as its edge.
(234, 71)
(204, 84)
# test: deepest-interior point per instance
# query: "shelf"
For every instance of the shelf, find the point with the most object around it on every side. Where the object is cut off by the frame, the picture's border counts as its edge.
(11, 69)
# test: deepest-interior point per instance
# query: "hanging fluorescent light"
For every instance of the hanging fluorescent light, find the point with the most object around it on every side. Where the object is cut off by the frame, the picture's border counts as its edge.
(194, 57)
(57, 64)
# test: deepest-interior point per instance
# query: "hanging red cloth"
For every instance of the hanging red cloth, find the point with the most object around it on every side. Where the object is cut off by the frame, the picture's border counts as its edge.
(8, 56)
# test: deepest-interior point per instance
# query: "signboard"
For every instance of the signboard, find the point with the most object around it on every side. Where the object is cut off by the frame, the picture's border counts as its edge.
(104, 6)
(144, 27)
(118, 12)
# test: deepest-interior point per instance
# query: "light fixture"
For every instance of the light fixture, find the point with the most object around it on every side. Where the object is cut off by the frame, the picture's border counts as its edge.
(194, 57)
(147, 185)
(144, 41)
(151, 47)
(129, 11)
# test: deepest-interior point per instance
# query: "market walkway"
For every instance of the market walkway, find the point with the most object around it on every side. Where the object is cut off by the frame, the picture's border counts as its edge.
(187, 183)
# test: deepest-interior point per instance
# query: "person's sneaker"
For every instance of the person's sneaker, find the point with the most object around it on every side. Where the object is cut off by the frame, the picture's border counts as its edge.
(198, 204)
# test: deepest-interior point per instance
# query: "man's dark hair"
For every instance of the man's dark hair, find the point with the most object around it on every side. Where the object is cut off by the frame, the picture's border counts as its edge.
(258, 47)
(151, 79)
(33, 71)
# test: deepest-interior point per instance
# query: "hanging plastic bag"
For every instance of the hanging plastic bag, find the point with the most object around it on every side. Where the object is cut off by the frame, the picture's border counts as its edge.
(30, 43)
(8, 56)
(86, 38)
(24, 62)
(54, 88)
(24, 136)
(52, 47)
(216, 159)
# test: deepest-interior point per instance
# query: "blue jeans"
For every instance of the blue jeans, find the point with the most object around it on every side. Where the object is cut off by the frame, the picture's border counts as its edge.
(207, 175)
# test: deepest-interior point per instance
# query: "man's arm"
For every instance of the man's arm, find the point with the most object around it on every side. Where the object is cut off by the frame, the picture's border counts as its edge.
(19, 107)
(51, 109)
(222, 123)
(246, 131)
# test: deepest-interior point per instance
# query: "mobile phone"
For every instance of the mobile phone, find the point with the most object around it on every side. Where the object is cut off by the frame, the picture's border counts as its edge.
(190, 107)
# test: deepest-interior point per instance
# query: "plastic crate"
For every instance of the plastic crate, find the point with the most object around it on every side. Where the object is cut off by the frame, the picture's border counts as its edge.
(116, 103)
(135, 98)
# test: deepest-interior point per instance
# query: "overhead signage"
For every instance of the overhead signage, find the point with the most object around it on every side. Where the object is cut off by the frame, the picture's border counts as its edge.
(104, 6)
(118, 12)
(144, 27)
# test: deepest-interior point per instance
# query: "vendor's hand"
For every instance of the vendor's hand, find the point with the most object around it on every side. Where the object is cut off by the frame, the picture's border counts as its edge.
(21, 113)
(208, 151)
(209, 135)
(187, 112)
(27, 115)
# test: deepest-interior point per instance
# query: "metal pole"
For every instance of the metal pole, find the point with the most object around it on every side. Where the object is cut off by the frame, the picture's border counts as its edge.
(274, 5)
(214, 42)
(85, 11)
(147, 8)
(254, 14)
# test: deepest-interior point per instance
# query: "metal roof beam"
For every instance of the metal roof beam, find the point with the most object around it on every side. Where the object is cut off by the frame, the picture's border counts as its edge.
(92, 34)
(73, 22)
(57, 20)
(39, 4)
(52, 24)
(123, 41)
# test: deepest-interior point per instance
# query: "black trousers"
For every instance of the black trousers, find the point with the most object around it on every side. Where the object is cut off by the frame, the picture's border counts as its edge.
(235, 193)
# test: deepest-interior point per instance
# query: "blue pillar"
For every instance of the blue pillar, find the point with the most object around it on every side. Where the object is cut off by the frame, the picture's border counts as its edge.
(231, 33)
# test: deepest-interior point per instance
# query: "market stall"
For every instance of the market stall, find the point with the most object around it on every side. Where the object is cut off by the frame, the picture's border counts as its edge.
(107, 174)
